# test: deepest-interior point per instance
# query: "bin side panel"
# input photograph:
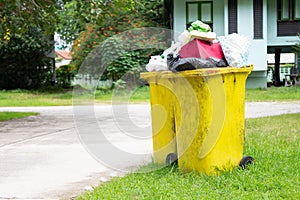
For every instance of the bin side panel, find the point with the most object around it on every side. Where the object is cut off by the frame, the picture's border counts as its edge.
(193, 117)
(162, 113)
(219, 138)
(228, 150)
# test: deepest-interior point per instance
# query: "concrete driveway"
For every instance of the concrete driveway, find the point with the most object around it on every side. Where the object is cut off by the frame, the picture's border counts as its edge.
(44, 157)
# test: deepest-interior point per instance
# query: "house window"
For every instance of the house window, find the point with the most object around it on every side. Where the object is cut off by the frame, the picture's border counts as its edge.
(199, 10)
(297, 10)
(288, 17)
(284, 10)
(258, 19)
(288, 10)
(232, 16)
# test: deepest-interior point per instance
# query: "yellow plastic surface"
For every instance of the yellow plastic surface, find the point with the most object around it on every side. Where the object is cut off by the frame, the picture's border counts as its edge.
(199, 115)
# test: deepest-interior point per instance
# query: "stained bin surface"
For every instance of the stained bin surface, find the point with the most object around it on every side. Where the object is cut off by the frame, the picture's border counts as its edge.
(198, 115)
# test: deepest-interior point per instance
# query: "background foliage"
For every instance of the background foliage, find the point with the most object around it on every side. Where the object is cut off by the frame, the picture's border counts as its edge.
(114, 20)
(65, 75)
(296, 47)
(17, 17)
(26, 32)
(23, 63)
(27, 28)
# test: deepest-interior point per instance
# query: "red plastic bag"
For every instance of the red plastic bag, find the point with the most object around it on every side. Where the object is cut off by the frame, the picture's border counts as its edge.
(201, 49)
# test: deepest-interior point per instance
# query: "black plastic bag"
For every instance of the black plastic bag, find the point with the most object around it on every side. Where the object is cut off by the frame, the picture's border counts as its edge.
(219, 62)
(176, 64)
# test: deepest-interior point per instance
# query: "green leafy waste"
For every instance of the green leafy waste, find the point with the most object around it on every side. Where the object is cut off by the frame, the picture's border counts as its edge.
(199, 26)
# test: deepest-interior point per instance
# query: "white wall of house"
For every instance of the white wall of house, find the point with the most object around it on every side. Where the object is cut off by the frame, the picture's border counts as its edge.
(258, 48)
(179, 16)
(219, 19)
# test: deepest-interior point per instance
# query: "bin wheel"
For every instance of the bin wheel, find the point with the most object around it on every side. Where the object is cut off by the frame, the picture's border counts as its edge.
(171, 159)
(246, 160)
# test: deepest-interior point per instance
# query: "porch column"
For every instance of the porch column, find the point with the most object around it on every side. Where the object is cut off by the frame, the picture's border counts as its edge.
(277, 67)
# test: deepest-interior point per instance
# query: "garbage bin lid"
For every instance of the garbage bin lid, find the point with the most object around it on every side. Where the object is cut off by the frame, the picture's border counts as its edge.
(197, 72)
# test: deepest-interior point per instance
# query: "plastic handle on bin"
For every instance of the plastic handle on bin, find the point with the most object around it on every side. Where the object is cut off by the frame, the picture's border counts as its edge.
(218, 102)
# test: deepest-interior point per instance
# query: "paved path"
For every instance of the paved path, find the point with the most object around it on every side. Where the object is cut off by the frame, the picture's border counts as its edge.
(42, 157)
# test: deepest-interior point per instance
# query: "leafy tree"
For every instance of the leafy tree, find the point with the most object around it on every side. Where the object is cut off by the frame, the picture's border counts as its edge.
(17, 16)
(26, 37)
(27, 27)
(23, 63)
(112, 20)
(75, 14)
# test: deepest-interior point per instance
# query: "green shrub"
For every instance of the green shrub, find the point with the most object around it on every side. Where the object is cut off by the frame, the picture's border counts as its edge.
(65, 74)
(296, 47)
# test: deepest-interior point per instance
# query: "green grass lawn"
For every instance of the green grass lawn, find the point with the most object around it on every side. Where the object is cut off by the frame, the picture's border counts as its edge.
(274, 94)
(65, 97)
(4, 116)
(35, 98)
(137, 95)
(274, 142)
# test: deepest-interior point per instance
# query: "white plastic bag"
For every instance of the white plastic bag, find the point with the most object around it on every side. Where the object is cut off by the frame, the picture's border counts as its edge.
(183, 38)
(235, 48)
(157, 63)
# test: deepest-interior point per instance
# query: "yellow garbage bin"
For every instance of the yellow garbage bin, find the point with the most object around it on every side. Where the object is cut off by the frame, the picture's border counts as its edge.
(198, 117)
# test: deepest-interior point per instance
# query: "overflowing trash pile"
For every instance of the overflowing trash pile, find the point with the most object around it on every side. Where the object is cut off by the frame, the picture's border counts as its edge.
(198, 47)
